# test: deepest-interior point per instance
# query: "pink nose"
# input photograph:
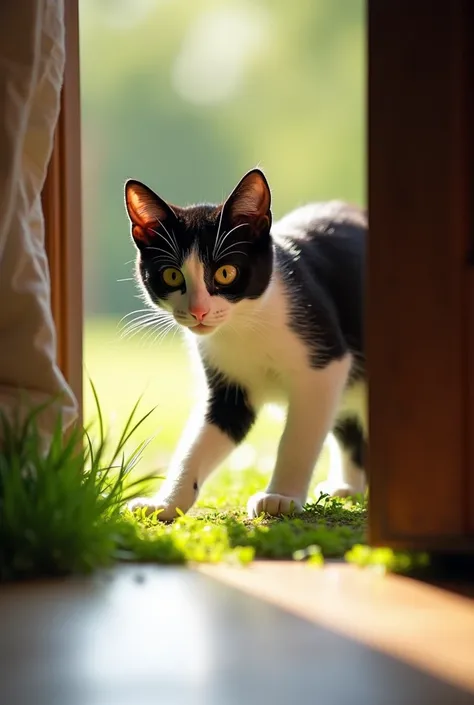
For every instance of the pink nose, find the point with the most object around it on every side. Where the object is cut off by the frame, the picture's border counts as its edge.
(198, 312)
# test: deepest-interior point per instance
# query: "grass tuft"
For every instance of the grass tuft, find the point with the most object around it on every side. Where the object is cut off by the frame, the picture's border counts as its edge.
(60, 508)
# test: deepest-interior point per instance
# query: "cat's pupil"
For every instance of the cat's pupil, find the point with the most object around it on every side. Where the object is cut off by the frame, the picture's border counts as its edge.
(224, 273)
(173, 276)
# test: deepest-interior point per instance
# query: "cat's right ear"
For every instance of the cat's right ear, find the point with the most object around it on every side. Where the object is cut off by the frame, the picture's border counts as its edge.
(147, 212)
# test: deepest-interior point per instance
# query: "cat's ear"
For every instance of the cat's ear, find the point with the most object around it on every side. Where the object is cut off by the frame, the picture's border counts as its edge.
(147, 212)
(250, 203)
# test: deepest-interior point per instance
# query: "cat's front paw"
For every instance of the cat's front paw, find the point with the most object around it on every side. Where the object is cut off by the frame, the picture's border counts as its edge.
(343, 490)
(274, 504)
(173, 499)
(166, 510)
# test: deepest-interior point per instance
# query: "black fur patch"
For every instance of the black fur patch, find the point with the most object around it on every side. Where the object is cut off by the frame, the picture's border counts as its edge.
(228, 407)
(323, 273)
(348, 432)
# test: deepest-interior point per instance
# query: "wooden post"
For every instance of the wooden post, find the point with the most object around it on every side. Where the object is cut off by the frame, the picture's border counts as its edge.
(420, 292)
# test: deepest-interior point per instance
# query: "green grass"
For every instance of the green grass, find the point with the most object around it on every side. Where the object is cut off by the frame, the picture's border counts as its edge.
(328, 528)
(65, 511)
(60, 508)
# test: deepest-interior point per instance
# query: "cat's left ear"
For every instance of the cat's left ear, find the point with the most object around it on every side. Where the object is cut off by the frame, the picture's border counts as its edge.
(250, 203)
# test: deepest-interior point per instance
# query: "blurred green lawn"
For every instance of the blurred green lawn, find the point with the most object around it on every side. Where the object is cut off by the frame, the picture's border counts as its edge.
(123, 369)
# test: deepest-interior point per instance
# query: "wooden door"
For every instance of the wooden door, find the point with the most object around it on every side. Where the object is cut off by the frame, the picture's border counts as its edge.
(420, 291)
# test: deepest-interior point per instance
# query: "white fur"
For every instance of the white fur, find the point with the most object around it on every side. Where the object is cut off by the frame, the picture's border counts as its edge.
(252, 344)
(201, 449)
(344, 478)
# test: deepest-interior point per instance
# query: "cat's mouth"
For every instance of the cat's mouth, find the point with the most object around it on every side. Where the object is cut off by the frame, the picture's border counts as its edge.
(198, 328)
(201, 329)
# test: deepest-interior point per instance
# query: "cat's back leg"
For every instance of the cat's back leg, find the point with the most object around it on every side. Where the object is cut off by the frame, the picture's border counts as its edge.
(347, 474)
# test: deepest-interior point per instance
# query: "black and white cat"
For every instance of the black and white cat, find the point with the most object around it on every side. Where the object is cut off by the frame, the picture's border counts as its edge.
(276, 313)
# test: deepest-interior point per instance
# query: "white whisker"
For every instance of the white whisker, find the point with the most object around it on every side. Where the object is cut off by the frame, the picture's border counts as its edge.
(162, 332)
(164, 228)
(133, 330)
(177, 328)
(239, 242)
(157, 327)
(160, 249)
(173, 244)
(174, 251)
(229, 249)
(131, 313)
(158, 312)
(225, 236)
(140, 319)
(146, 318)
(170, 256)
(136, 322)
(167, 261)
(232, 252)
(216, 244)
(174, 239)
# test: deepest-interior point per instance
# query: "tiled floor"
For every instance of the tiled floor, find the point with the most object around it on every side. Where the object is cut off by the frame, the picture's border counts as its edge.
(274, 633)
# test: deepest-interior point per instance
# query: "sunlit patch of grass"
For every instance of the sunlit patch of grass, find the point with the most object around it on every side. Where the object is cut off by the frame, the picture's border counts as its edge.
(218, 529)
(386, 560)
(334, 525)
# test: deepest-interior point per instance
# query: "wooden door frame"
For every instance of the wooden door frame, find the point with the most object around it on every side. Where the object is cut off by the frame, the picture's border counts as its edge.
(62, 205)
(421, 225)
(420, 292)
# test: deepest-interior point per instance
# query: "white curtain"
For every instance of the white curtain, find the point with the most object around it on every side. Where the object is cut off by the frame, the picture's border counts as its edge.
(31, 75)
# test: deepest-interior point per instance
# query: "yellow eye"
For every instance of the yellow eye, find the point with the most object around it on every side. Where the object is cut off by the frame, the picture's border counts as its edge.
(172, 277)
(226, 274)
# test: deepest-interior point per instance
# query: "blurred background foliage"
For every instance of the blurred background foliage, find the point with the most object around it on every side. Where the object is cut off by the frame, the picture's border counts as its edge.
(187, 95)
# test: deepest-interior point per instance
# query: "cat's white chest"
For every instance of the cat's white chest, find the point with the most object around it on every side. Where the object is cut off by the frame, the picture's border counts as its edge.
(253, 360)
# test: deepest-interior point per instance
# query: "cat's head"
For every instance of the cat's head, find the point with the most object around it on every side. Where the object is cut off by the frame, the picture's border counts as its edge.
(200, 262)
